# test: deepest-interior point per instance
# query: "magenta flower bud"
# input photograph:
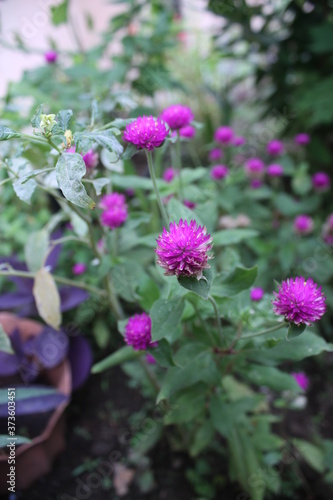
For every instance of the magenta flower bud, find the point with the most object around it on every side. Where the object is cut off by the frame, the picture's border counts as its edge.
(254, 168)
(51, 56)
(215, 154)
(301, 379)
(90, 159)
(169, 174)
(79, 268)
(138, 332)
(223, 135)
(146, 132)
(188, 132)
(300, 301)
(219, 172)
(255, 184)
(150, 359)
(275, 148)
(177, 116)
(189, 204)
(275, 170)
(303, 224)
(239, 141)
(256, 294)
(129, 192)
(183, 250)
(302, 139)
(114, 210)
(321, 181)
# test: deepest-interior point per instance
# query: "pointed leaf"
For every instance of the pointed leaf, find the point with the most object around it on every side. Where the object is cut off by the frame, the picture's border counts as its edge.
(70, 169)
(200, 287)
(35, 249)
(295, 330)
(165, 316)
(47, 298)
(7, 133)
(124, 354)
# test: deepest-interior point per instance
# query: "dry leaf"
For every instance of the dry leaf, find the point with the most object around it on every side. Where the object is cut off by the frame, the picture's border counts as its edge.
(122, 478)
(47, 298)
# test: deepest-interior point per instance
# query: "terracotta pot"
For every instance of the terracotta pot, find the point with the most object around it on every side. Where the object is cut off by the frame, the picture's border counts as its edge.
(35, 459)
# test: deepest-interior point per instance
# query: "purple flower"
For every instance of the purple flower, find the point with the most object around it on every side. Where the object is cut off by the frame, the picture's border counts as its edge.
(146, 132)
(51, 56)
(189, 204)
(275, 170)
(321, 181)
(177, 116)
(114, 210)
(223, 135)
(302, 139)
(138, 332)
(254, 167)
(188, 131)
(239, 141)
(169, 174)
(79, 268)
(150, 359)
(129, 192)
(301, 379)
(256, 184)
(215, 154)
(256, 294)
(219, 172)
(275, 147)
(91, 159)
(327, 233)
(303, 224)
(183, 250)
(300, 301)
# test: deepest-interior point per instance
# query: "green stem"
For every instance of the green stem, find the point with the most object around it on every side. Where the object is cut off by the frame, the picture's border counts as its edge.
(269, 330)
(150, 376)
(158, 197)
(54, 146)
(207, 331)
(217, 314)
(179, 167)
(35, 138)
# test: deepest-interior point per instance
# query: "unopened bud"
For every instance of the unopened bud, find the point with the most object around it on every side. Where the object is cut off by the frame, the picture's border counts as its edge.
(69, 137)
(47, 123)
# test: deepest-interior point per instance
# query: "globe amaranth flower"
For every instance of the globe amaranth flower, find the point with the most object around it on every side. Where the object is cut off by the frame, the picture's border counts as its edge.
(223, 135)
(51, 56)
(301, 379)
(321, 181)
(256, 184)
(254, 168)
(275, 147)
(215, 154)
(146, 132)
(189, 204)
(275, 170)
(90, 159)
(183, 250)
(188, 132)
(114, 210)
(169, 174)
(138, 332)
(256, 294)
(238, 141)
(177, 116)
(327, 232)
(219, 172)
(303, 224)
(300, 301)
(302, 139)
(79, 268)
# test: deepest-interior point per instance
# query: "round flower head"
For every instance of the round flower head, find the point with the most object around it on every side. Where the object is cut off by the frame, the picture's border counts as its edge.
(169, 174)
(183, 250)
(114, 210)
(215, 154)
(187, 132)
(275, 148)
(256, 294)
(254, 167)
(327, 233)
(51, 56)
(146, 132)
(79, 268)
(223, 135)
(301, 379)
(138, 332)
(219, 172)
(302, 139)
(275, 170)
(189, 204)
(303, 224)
(256, 184)
(239, 141)
(321, 181)
(300, 301)
(177, 116)
(90, 159)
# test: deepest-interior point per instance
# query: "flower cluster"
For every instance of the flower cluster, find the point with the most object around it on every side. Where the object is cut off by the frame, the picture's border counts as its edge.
(138, 332)
(254, 168)
(275, 148)
(321, 181)
(219, 172)
(274, 170)
(146, 132)
(224, 135)
(114, 210)
(303, 224)
(300, 301)
(183, 250)
(177, 116)
(169, 174)
(256, 294)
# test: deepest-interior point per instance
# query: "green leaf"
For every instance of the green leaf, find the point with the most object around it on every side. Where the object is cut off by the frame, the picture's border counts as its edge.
(135, 182)
(200, 287)
(24, 188)
(101, 333)
(202, 439)
(4, 440)
(27, 393)
(177, 211)
(268, 376)
(35, 120)
(165, 316)
(312, 454)
(163, 353)
(47, 298)
(232, 236)
(5, 345)
(35, 249)
(187, 406)
(295, 330)
(70, 169)
(105, 138)
(238, 280)
(63, 119)
(124, 354)
(59, 13)
(7, 133)
(99, 184)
